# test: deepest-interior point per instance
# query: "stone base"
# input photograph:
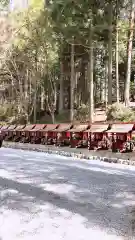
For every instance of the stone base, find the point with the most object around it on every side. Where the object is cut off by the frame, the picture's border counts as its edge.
(105, 156)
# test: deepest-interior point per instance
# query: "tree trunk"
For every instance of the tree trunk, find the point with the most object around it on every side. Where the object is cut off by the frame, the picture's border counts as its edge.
(27, 118)
(52, 108)
(106, 81)
(82, 85)
(12, 88)
(61, 96)
(26, 84)
(53, 117)
(35, 101)
(42, 98)
(129, 54)
(30, 81)
(21, 89)
(110, 55)
(117, 56)
(72, 82)
(35, 90)
(102, 90)
(90, 77)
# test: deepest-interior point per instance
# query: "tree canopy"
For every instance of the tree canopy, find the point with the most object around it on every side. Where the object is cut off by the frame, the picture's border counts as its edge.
(53, 46)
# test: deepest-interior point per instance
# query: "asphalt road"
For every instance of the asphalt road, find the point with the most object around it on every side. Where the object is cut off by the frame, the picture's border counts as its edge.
(51, 197)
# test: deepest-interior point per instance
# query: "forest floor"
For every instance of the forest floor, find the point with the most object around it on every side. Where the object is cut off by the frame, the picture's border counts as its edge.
(99, 116)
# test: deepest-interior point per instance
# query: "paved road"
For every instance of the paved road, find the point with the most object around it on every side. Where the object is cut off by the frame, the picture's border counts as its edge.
(52, 197)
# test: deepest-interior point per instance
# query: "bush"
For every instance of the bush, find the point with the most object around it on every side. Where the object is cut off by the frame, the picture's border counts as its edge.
(6, 111)
(82, 113)
(18, 119)
(3, 116)
(119, 112)
(9, 113)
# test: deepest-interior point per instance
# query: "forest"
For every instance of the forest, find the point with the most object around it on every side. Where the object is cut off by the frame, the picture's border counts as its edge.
(67, 60)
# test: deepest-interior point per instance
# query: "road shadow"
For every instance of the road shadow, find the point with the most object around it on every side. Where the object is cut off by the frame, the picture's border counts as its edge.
(102, 196)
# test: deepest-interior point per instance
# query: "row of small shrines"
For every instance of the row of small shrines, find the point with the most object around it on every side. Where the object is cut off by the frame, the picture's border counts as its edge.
(118, 137)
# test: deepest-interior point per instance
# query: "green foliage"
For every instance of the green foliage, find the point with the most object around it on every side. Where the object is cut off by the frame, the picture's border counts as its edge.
(35, 35)
(132, 88)
(3, 113)
(9, 114)
(6, 111)
(4, 4)
(35, 50)
(18, 119)
(118, 112)
(42, 37)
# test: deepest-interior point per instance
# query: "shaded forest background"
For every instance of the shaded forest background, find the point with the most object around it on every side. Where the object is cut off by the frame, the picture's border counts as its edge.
(67, 60)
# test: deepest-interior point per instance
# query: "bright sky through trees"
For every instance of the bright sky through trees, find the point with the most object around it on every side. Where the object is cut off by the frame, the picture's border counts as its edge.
(18, 4)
